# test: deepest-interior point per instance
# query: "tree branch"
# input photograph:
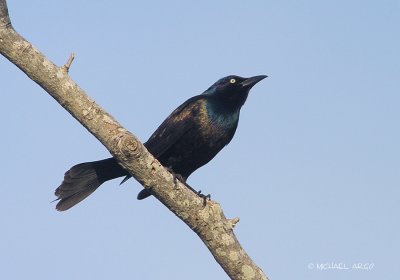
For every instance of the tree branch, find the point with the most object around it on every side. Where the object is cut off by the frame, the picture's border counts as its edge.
(208, 221)
(69, 63)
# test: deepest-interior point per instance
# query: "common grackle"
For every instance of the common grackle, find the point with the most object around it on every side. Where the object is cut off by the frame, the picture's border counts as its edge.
(189, 138)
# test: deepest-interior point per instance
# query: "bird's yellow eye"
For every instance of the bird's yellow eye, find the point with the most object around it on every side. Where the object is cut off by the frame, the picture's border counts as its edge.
(232, 81)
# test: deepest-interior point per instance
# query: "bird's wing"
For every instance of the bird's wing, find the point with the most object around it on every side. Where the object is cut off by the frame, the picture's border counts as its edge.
(173, 128)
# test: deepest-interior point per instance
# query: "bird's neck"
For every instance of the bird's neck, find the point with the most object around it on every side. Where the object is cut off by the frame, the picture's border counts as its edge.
(223, 115)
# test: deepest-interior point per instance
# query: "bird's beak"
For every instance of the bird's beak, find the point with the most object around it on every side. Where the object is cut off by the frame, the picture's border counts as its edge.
(250, 82)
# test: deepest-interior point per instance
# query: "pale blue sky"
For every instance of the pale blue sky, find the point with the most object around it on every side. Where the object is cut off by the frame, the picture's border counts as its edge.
(313, 170)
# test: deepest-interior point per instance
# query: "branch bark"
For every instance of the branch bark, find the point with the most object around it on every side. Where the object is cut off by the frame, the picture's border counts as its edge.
(208, 221)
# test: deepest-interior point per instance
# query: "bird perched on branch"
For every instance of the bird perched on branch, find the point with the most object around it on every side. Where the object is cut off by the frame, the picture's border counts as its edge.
(188, 139)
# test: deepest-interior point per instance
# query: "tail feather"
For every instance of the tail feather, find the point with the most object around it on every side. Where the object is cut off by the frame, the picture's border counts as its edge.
(79, 182)
(83, 179)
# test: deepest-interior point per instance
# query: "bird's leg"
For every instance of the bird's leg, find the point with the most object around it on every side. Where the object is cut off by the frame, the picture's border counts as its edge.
(176, 176)
(179, 177)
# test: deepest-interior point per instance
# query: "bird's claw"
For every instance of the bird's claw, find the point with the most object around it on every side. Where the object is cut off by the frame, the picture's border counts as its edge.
(176, 176)
(204, 197)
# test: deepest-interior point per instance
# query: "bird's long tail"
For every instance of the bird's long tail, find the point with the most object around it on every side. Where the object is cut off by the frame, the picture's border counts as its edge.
(83, 179)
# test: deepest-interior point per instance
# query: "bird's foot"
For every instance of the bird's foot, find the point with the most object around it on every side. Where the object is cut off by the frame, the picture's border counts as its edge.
(176, 176)
(204, 197)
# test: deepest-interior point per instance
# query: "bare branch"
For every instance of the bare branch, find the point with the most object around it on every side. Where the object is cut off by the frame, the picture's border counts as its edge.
(234, 221)
(69, 62)
(4, 17)
(208, 222)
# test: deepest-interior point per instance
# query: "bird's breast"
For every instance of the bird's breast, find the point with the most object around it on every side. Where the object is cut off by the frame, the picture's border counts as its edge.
(218, 125)
(210, 132)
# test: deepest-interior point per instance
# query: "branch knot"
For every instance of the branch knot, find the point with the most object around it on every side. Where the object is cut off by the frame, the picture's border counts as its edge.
(129, 147)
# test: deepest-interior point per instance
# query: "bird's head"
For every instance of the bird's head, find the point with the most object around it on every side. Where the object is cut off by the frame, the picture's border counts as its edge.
(233, 90)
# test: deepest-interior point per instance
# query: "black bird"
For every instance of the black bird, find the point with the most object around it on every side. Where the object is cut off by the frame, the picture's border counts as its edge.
(189, 138)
